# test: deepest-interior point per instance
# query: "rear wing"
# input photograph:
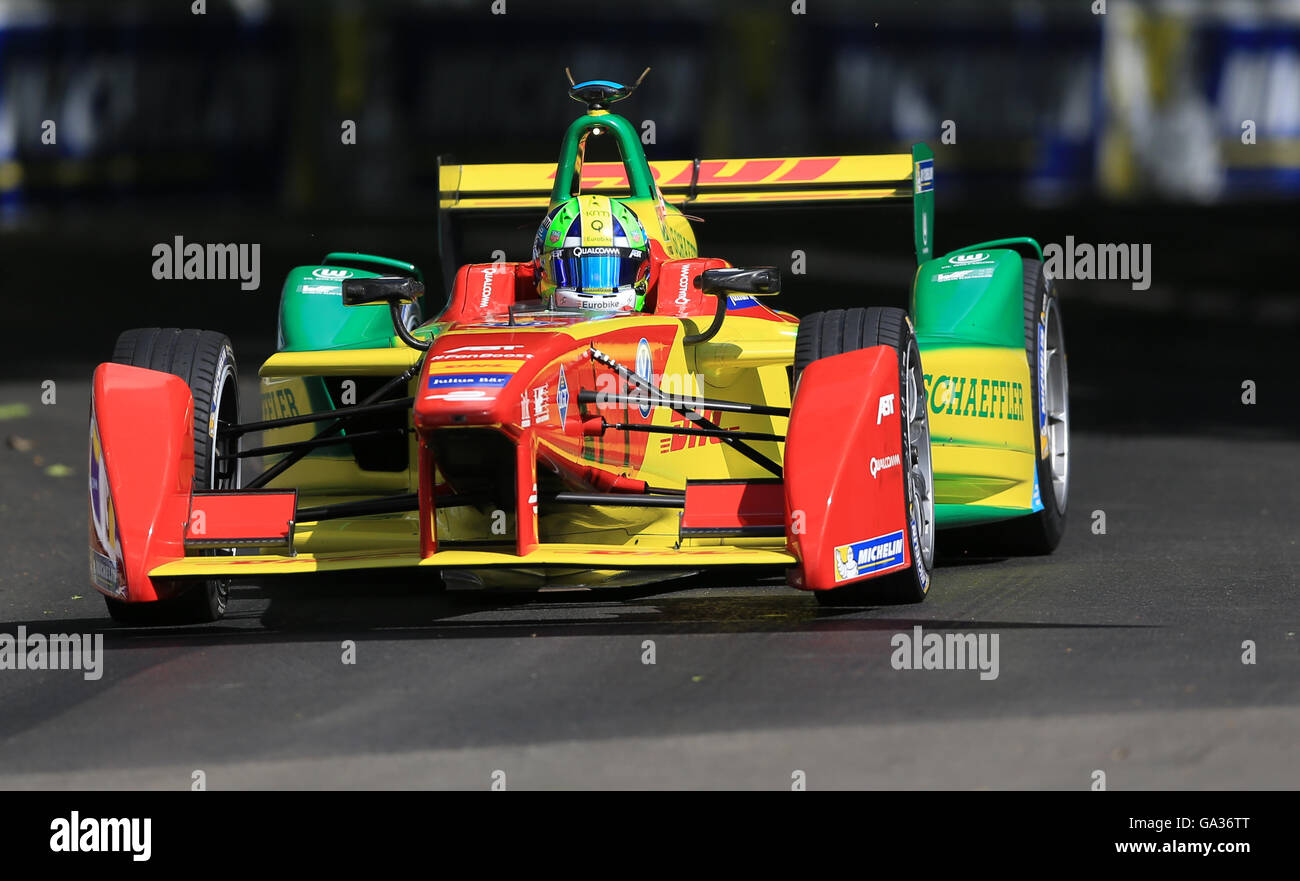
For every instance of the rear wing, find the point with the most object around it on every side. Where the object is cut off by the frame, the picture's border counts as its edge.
(701, 183)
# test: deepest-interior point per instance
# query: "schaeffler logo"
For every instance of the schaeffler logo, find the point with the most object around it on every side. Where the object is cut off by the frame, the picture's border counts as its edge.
(78, 834)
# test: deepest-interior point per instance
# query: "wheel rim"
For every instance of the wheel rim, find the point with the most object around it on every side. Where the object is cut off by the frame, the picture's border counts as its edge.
(225, 471)
(920, 472)
(1058, 407)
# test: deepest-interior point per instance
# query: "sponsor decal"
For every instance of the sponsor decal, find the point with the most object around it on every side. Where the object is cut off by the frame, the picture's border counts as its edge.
(967, 259)
(485, 297)
(868, 557)
(333, 274)
(542, 404)
(644, 369)
(106, 568)
(320, 289)
(674, 442)
(879, 465)
(492, 380)
(741, 302)
(1036, 500)
(471, 360)
(978, 397)
(914, 531)
(1042, 384)
(562, 397)
(459, 395)
(885, 407)
(923, 176)
(683, 286)
(525, 413)
(963, 274)
(484, 350)
(278, 403)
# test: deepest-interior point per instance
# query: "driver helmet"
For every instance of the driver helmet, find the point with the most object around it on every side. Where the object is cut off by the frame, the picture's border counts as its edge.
(591, 252)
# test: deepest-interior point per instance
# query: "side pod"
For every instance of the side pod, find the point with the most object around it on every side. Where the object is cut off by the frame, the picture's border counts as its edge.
(141, 474)
(845, 518)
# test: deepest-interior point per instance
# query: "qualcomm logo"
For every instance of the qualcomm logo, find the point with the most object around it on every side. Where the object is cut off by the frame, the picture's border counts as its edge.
(682, 284)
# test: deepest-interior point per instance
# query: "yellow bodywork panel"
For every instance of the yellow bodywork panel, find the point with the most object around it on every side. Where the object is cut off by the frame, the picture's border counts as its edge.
(576, 555)
(774, 180)
(981, 425)
(341, 362)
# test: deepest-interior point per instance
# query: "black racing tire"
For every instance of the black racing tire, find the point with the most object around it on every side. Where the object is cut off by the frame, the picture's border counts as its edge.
(206, 361)
(1038, 533)
(824, 334)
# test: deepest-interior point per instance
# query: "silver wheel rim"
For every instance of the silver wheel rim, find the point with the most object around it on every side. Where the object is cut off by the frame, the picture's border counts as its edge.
(1058, 407)
(920, 472)
(235, 478)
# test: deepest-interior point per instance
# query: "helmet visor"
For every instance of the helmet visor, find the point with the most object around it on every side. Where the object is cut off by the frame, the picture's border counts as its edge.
(596, 269)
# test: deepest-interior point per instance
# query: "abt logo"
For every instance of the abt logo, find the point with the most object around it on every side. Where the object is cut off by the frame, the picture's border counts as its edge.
(885, 407)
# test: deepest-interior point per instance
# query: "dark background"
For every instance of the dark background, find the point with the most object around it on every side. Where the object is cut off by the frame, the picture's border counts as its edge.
(225, 127)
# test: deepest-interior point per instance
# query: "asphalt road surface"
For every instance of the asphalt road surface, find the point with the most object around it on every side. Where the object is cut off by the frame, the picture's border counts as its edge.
(1122, 653)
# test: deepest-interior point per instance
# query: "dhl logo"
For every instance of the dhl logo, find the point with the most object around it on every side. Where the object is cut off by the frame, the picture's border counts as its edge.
(675, 442)
(713, 172)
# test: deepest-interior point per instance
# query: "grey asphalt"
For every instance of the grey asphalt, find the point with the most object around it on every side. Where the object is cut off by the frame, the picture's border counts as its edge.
(1122, 653)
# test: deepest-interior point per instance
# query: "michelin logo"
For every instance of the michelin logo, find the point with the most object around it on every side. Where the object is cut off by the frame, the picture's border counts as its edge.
(868, 557)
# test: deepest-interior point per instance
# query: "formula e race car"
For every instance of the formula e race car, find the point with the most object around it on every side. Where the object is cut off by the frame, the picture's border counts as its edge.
(536, 432)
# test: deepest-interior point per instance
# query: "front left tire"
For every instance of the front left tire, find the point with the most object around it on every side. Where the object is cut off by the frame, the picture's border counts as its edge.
(205, 359)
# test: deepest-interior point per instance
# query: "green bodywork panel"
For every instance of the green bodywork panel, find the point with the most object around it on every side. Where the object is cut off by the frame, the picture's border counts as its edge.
(956, 299)
(968, 310)
(312, 314)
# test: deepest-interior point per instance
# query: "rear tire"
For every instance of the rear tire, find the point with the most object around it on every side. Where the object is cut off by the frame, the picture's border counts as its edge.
(206, 361)
(834, 332)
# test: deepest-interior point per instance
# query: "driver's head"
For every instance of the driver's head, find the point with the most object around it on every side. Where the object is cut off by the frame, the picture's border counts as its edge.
(593, 253)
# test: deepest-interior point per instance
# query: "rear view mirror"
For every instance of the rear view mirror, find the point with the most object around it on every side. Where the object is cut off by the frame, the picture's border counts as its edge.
(385, 289)
(758, 281)
(393, 290)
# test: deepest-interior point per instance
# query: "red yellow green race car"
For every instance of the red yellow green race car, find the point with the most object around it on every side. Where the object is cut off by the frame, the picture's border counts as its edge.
(613, 410)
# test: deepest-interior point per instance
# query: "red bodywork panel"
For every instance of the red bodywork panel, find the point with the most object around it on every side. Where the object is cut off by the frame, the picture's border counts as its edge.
(676, 293)
(730, 507)
(844, 471)
(141, 472)
(534, 402)
(141, 479)
(250, 518)
(485, 289)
